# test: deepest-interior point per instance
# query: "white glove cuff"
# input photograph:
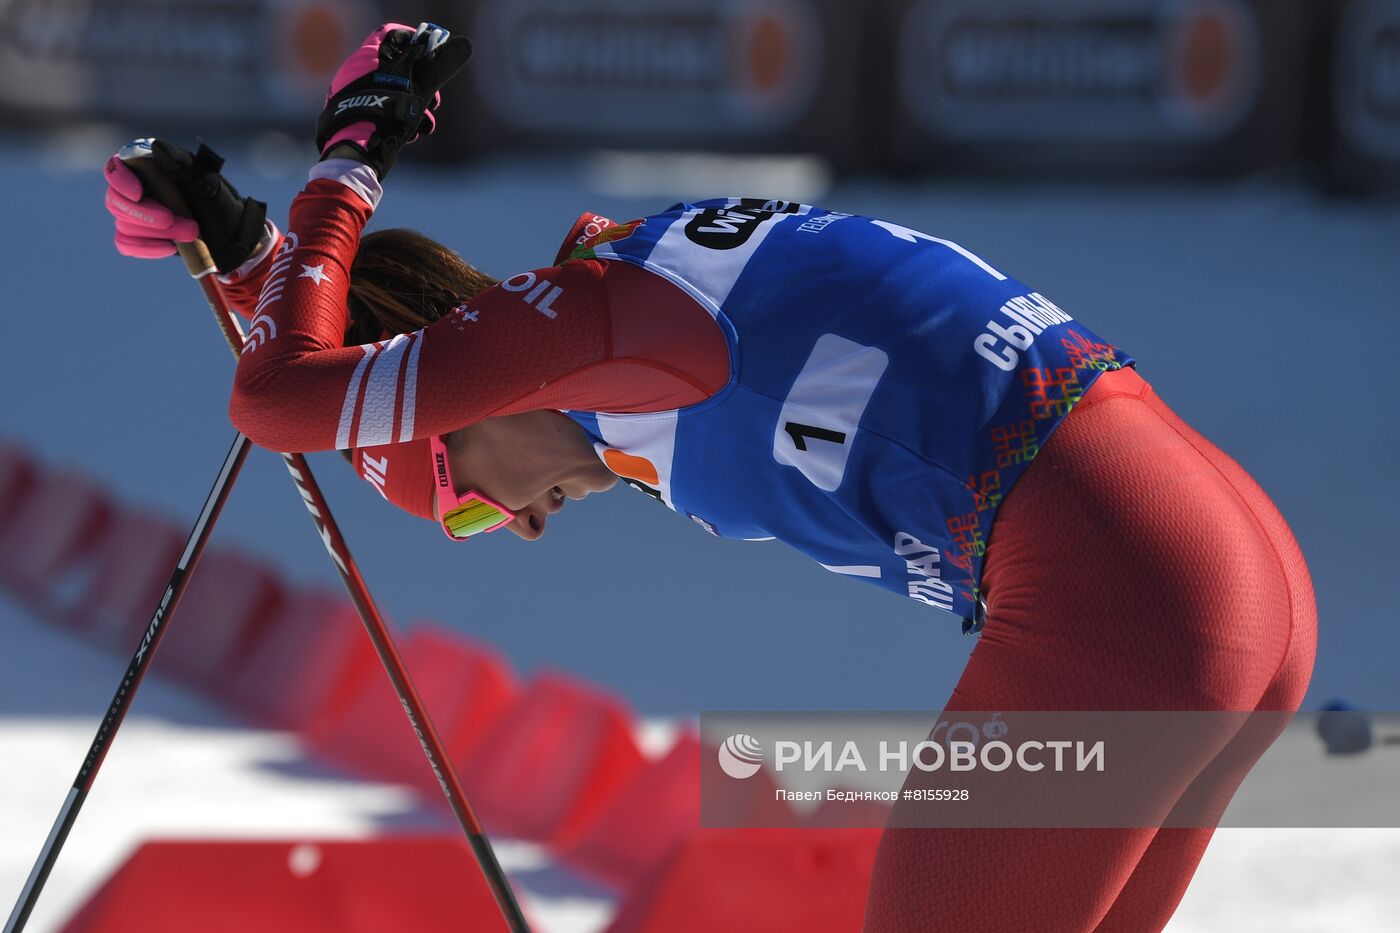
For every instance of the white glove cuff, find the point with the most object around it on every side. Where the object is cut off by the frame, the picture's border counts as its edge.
(356, 176)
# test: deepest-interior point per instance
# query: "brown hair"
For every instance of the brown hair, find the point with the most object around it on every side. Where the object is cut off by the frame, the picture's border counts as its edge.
(402, 280)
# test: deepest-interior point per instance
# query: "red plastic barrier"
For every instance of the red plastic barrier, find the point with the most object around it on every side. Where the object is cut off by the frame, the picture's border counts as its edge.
(552, 760)
(752, 801)
(132, 564)
(423, 884)
(306, 668)
(58, 521)
(646, 820)
(464, 687)
(228, 606)
(16, 474)
(760, 880)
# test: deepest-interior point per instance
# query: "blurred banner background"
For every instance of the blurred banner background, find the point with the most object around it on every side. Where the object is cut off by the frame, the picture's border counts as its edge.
(1182, 87)
(1210, 184)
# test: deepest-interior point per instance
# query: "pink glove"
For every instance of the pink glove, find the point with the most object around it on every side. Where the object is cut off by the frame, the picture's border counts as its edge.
(362, 63)
(385, 93)
(146, 229)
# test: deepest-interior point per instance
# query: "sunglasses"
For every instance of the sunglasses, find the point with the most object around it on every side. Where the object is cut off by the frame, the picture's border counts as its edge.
(466, 515)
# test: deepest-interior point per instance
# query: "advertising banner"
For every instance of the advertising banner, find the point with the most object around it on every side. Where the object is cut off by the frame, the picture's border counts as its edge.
(256, 62)
(1361, 106)
(1142, 84)
(758, 75)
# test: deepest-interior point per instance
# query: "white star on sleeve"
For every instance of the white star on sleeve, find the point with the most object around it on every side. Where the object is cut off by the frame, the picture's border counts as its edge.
(315, 273)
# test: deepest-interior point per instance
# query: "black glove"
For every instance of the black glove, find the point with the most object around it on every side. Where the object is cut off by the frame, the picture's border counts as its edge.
(230, 226)
(386, 92)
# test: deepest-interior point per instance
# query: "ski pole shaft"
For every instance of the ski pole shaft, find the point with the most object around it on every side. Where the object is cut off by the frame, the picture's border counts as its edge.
(201, 267)
(397, 672)
(126, 691)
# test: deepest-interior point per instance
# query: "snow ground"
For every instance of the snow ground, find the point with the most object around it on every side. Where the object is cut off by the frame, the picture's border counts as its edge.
(183, 768)
(1295, 881)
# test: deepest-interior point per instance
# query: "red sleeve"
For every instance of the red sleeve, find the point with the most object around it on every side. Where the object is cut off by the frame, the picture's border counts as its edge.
(243, 286)
(588, 335)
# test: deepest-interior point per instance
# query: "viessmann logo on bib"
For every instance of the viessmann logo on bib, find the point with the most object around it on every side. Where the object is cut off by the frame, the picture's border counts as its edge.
(731, 227)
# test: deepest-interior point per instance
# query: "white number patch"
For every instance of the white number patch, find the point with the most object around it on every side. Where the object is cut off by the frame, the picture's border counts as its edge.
(820, 416)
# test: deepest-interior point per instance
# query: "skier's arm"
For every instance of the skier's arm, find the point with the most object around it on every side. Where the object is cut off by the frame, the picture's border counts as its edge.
(541, 339)
(588, 335)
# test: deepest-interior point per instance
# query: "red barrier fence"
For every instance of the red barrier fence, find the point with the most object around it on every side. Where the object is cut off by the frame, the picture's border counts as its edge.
(131, 563)
(423, 884)
(554, 760)
(305, 670)
(51, 526)
(229, 604)
(777, 880)
(464, 687)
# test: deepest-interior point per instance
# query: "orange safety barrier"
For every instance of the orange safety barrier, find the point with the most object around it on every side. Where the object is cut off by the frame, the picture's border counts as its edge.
(757, 879)
(464, 687)
(550, 762)
(646, 820)
(421, 883)
(307, 666)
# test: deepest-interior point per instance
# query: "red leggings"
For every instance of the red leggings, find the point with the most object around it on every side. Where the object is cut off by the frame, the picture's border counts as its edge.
(1134, 566)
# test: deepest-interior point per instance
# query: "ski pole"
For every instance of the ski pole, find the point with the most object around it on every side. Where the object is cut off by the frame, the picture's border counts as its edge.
(201, 267)
(126, 691)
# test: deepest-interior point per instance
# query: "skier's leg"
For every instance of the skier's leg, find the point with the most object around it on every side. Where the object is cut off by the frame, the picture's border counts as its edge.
(1123, 573)
(1159, 881)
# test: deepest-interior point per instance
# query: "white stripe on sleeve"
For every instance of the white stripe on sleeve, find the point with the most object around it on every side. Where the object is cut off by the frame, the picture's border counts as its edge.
(410, 390)
(347, 410)
(382, 394)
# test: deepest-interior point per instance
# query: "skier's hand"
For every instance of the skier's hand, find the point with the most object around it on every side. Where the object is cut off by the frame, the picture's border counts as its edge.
(386, 92)
(230, 226)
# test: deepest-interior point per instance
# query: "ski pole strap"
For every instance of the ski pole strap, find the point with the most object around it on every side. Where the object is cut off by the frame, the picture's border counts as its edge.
(393, 112)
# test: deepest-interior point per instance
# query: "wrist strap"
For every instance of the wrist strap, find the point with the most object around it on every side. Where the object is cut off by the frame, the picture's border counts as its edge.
(386, 108)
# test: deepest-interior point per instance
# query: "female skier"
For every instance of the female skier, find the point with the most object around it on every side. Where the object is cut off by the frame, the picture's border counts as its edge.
(883, 400)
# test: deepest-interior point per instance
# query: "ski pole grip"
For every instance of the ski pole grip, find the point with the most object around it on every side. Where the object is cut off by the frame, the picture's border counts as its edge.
(195, 254)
